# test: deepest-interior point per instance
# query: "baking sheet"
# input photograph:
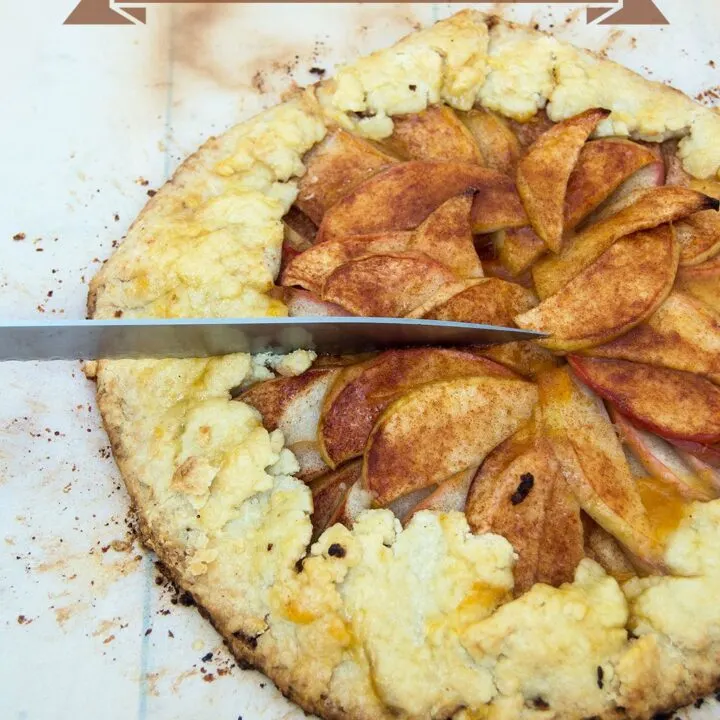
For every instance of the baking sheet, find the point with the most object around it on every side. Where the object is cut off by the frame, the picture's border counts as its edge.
(93, 119)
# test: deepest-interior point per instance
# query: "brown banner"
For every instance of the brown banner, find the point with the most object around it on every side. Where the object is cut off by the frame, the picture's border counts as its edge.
(119, 12)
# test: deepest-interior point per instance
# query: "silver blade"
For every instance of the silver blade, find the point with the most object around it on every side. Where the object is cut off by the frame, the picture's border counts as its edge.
(183, 338)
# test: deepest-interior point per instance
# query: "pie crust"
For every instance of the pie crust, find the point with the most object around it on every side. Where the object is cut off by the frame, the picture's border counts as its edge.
(382, 621)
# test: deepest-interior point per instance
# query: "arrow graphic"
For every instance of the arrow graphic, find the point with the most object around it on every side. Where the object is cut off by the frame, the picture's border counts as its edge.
(122, 12)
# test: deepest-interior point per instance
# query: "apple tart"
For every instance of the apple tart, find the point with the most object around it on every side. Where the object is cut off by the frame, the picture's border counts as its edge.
(515, 531)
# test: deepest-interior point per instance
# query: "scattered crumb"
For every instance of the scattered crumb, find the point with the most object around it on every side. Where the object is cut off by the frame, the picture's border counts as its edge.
(19, 236)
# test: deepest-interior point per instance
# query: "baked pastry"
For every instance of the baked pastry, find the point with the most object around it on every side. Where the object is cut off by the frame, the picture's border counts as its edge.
(559, 553)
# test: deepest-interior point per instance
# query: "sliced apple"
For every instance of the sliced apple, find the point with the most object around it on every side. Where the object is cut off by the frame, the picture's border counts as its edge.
(529, 131)
(497, 206)
(312, 268)
(660, 460)
(674, 171)
(682, 334)
(652, 209)
(526, 358)
(355, 502)
(670, 403)
(616, 293)
(490, 301)
(361, 393)
(389, 285)
(529, 503)
(699, 237)
(519, 248)
(329, 494)
(446, 236)
(402, 196)
(498, 144)
(709, 454)
(433, 134)
(605, 550)
(543, 174)
(593, 463)
(301, 303)
(300, 230)
(707, 472)
(495, 269)
(334, 167)
(703, 283)
(292, 404)
(449, 496)
(603, 165)
(435, 431)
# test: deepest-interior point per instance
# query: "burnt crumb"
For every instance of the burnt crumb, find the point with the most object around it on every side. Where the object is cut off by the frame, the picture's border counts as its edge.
(711, 63)
(299, 565)
(151, 193)
(209, 678)
(540, 703)
(207, 658)
(413, 88)
(317, 71)
(22, 620)
(245, 639)
(536, 26)
(184, 598)
(116, 217)
(270, 547)
(699, 702)
(19, 236)
(361, 115)
(148, 631)
(523, 490)
(600, 677)
(336, 550)
(170, 634)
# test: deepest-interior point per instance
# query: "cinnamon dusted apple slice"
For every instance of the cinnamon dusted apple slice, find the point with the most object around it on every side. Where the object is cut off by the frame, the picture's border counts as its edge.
(605, 550)
(433, 134)
(523, 497)
(674, 171)
(682, 334)
(543, 174)
(519, 248)
(497, 206)
(334, 167)
(660, 460)
(329, 494)
(490, 301)
(498, 144)
(312, 268)
(449, 496)
(602, 167)
(361, 393)
(357, 500)
(402, 196)
(670, 403)
(301, 303)
(449, 425)
(699, 237)
(526, 358)
(300, 230)
(702, 282)
(495, 269)
(310, 459)
(651, 209)
(389, 285)
(529, 131)
(446, 236)
(593, 463)
(616, 293)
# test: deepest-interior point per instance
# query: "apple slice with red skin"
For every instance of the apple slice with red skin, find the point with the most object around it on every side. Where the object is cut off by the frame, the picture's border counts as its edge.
(402, 196)
(334, 167)
(622, 288)
(682, 334)
(362, 392)
(603, 165)
(593, 463)
(669, 403)
(491, 301)
(709, 454)
(702, 282)
(660, 461)
(652, 209)
(520, 494)
(389, 285)
(498, 144)
(543, 174)
(301, 303)
(433, 134)
(435, 431)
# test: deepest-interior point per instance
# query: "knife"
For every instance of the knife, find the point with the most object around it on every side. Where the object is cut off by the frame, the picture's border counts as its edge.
(203, 337)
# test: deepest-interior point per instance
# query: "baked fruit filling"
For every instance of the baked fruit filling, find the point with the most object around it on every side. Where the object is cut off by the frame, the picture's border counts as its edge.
(587, 444)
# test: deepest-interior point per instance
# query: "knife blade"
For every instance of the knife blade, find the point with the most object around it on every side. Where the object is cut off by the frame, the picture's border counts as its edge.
(203, 337)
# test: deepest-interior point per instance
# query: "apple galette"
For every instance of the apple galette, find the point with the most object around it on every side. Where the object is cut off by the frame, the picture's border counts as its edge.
(516, 531)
